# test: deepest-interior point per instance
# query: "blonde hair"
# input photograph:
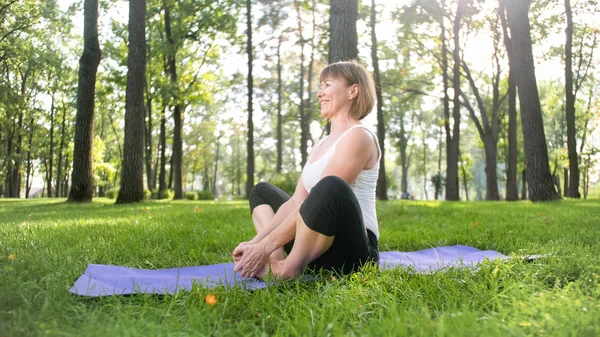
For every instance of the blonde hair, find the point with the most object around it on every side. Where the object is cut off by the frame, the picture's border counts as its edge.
(354, 73)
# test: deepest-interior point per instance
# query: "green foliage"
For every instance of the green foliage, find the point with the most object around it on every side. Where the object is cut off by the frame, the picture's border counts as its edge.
(147, 194)
(191, 195)
(204, 195)
(45, 245)
(112, 193)
(166, 194)
(286, 181)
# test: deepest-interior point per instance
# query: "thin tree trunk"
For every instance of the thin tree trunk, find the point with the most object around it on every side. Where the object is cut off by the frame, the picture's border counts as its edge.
(176, 156)
(162, 176)
(512, 171)
(59, 174)
(132, 172)
(150, 176)
(51, 152)
(464, 174)
(524, 185)
(511, 174)
(570, 108)
(29, 159)
(453, 139)
(216, 170)
(302, 114)
(82, 183)
(566, 182)
(279, 117)
(381, 180)
(250, 143)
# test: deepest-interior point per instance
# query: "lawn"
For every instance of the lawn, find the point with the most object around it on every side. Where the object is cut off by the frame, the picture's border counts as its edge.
(46, 244)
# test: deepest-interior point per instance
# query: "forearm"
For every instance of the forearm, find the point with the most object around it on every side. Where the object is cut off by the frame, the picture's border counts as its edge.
(281, 235)
(288, 208)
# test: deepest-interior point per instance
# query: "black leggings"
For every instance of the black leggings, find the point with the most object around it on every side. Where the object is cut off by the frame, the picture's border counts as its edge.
(331, 208)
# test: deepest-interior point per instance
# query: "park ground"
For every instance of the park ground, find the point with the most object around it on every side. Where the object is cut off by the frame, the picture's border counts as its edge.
(46, 244)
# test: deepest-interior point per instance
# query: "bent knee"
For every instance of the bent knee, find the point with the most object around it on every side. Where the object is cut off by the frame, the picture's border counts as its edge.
(330, 184)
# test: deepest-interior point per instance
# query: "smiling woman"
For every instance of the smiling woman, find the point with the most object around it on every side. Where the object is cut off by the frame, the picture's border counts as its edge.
(330, 221)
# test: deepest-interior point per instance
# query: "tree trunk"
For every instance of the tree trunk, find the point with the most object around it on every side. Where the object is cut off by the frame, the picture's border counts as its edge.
(29, 159)
(566, 182)
(570, 108)
(302, 114)
(150, 176)
(343, 39)
(539, 178)
(464, 174)
(162, 176)
(511, 172)
(381, 180)
(491, 174)
(59, 174)
(453, 139)
(82, 183)
(176, 156)
(132, 172)
(250, 143)
(524, 185)
(279, 117)
(51, 152)
(216, 170)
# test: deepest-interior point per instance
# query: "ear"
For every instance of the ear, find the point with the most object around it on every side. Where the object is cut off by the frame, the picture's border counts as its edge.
(354, 90)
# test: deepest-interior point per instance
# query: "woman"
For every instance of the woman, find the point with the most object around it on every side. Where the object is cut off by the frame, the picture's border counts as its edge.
(330, 222)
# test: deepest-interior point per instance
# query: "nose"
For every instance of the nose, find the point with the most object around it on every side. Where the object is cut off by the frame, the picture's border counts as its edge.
(319, 93)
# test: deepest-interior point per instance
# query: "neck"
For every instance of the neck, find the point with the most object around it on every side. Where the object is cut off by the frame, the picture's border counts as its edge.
(340, 124)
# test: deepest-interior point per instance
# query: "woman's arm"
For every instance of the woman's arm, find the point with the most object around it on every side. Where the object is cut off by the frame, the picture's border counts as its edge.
(355, 152)
(289, 208)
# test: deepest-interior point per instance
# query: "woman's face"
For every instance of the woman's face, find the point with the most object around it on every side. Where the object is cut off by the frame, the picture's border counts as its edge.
(335, 96)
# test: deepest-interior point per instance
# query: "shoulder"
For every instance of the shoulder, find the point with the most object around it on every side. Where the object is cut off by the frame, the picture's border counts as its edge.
(357, 140)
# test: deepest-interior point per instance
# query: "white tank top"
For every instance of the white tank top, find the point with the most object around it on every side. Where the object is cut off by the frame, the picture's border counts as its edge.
(364, 186)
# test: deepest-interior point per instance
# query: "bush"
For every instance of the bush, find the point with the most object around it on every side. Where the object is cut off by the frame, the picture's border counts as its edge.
(166, 194)
(147, 194)
(191, 195)
(286, 181)
(205, 195)
(112, 193)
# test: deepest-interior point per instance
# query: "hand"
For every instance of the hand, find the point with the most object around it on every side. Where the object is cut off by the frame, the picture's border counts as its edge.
(253, 260)
(239, 251)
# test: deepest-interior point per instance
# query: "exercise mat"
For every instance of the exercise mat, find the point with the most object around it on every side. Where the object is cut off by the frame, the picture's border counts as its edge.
(106, 280)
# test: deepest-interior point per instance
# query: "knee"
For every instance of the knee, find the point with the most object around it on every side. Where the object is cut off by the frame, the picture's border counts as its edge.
(331, 184)
(255, 198)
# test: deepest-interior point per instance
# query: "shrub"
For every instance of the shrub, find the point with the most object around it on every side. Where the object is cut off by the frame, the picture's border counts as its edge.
(147, 194)
(112, 193)
(205, 195)
(286, 181)
(166, 194)
(191, 195)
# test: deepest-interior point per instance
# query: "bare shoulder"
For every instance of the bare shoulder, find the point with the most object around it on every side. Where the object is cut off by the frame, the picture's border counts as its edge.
(359, 141)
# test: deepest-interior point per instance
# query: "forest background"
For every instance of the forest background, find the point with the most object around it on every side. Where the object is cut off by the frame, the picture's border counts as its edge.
(199, 119)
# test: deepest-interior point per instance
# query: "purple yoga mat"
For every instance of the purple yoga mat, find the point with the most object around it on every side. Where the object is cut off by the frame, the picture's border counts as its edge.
(106, 280)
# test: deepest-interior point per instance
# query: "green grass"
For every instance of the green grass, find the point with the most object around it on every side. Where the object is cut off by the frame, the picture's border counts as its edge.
(53, 242)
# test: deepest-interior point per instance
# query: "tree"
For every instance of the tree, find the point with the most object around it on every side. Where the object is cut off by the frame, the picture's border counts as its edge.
(512, 193)
(250, 143)
(343, 39)
(573, 191)
(82, 181)
(488, 124)
(539, 179)
(304, 117)
(381, 180)
(132, 172)
(453, 137)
